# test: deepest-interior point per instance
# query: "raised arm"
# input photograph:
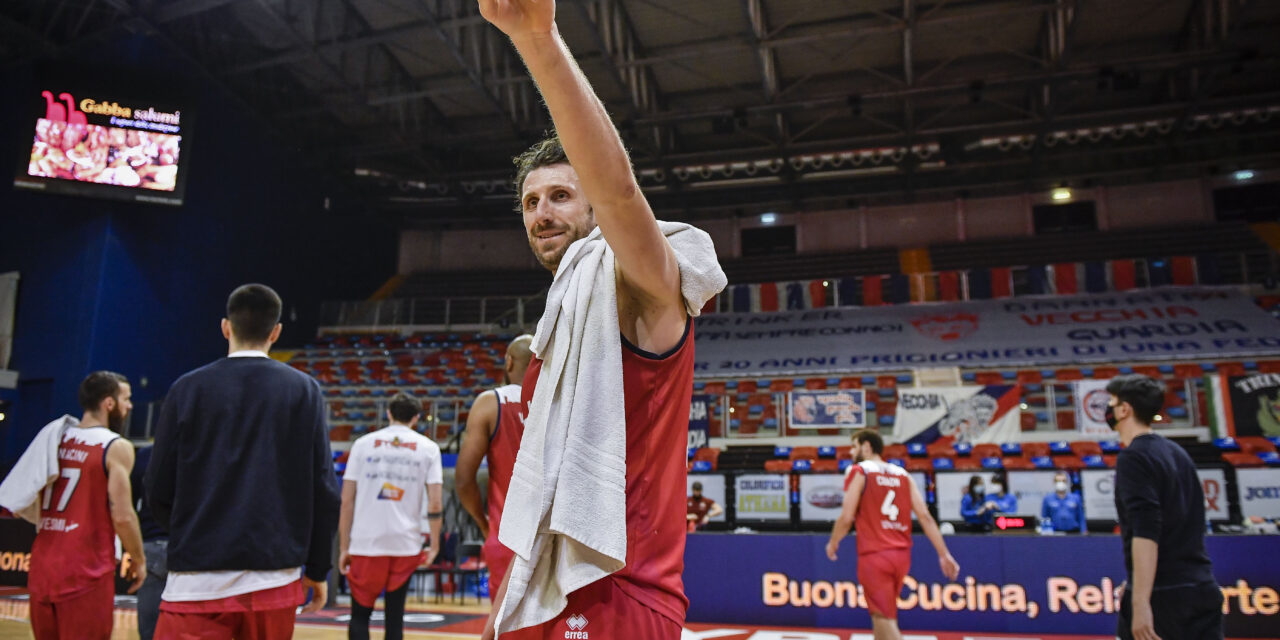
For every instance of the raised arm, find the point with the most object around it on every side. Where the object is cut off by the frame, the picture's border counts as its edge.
(645, 259)
(950, 568)
(475, 445)
(123, 518)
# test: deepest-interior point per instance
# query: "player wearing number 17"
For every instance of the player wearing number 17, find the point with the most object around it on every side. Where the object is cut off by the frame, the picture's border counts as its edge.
(880, 498)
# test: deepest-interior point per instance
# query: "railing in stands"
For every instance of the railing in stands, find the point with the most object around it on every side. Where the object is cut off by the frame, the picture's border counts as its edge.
(445, 313)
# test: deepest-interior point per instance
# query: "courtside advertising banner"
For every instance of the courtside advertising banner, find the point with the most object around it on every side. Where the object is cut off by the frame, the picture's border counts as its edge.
(1029, 487)
(822, 495)
(1254, 405)
(713, 487)
(828, 409)
(699, 421)
(762, 496)
(969, 414)
(1008, 584)
(1091, 399)
(1098, 491)
(1158, 324)
(1259, 492)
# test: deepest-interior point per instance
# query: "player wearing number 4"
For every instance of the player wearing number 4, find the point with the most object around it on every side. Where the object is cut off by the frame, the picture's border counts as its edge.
(880, 498)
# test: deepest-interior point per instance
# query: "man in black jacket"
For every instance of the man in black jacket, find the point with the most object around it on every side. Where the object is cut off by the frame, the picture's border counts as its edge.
(1171, 592)
(242, 478)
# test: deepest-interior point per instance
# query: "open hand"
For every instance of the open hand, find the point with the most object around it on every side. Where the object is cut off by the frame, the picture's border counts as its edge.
(136, 573)
(344, 563)
(520, 18)
(832, 546)
(950, 568)
(319, 595)
(1143, 621)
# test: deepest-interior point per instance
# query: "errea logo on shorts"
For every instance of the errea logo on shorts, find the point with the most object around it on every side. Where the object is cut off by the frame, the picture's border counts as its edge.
(576, 624)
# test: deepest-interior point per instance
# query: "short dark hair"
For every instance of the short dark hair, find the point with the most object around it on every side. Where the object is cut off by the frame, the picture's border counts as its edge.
(99, 386)
(1144, 394)
(545, 153)
(403, 407)
(870, 436)
(254, 312)
(697, 486)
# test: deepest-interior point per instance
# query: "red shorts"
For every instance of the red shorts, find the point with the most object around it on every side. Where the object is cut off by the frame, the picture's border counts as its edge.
(88, 615)
(602, 610)
(881, 574)
(260, 615)
(497, 557)
(369, 576)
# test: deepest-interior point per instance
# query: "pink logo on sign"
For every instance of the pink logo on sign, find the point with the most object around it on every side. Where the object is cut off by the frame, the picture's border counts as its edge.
(947, 327)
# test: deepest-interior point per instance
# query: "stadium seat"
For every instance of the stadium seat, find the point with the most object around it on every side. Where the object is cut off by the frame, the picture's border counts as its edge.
(993, 462)
(1018, 463)
(1149, 371)
(1226, 444)
(826, 466)
(1110, 459)
(917, 450)
(922, 465)
(1068, 374)
(943, 464)
(962, 448)
(895, 451)
(941, 450)
(1093, 462)
(1105, 373)
(1070, 463)
(886, 382)
(1230, 368)
(781, 385)
(1011, 448)
(1042, 462)
(1271, 458)
(747, 386)
(1086, 448)
(340, 433)
(1035, 449)
(988, 378)
(714, 388)
(798, 453)
(815, 383)
(1187, 371)
(844, 453)
(708, 454)
(1029, 376)
(845, 463)
(802, 465)
(1242, 460)
(1066, 420)
(701, 466)
(777, 466)
(782, 452)
(1110, 446)
(827, 452)
(986, 450)
(1027, 421)
(967, 464)
(1255, 444)
(850, 382)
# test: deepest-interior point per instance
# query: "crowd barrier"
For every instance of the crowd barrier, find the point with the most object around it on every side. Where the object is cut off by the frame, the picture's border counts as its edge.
(791, 500)
(1008, 584)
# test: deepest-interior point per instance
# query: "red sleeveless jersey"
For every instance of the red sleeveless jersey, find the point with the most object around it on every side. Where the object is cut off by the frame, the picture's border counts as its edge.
(657, 390)
(504, 444)
(884, 512)
(75, 543)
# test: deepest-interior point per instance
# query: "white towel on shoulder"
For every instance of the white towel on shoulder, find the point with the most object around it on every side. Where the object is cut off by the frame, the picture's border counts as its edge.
(565, 512)
(38, 466)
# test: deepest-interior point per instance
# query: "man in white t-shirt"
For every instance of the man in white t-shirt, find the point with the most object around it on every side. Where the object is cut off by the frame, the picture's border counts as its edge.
(390, 472)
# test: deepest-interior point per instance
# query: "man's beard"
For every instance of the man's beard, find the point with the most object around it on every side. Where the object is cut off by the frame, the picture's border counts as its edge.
(552, 262)
(115, 421)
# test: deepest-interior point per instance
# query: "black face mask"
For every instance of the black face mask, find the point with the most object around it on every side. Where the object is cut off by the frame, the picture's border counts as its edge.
(1110, 416)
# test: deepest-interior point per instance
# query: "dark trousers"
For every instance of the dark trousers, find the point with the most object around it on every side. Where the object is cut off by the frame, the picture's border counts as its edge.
(1190, 613)
(153, 587)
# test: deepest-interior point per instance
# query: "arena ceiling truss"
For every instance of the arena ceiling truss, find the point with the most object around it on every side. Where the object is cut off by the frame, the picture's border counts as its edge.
(730, 106)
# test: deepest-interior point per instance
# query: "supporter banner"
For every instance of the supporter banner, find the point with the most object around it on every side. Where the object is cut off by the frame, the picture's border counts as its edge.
(1157, 324)
(1070, 587)
(713, 487)
(1254, 404)
(762, 496)
(969, 414)
(1091, 406)
(827, 409)
(1029, 487)
(1259, 492)
(1098, 490)
(699, 421)
(822, 495)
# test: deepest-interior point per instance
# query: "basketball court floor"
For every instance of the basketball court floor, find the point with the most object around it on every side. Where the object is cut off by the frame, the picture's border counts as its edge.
(432, 621)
